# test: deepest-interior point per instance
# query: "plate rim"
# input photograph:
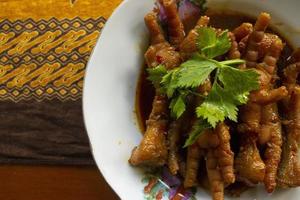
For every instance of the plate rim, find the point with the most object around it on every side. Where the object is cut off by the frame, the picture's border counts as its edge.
(88, 66)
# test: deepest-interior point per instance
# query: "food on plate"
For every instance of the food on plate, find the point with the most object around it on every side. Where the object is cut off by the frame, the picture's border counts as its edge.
(226, 103)
(289, 171)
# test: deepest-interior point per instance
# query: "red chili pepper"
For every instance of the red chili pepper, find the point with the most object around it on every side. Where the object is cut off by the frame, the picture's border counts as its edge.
(159, 59)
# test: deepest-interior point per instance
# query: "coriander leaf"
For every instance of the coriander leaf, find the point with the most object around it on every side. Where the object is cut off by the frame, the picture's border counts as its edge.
(239, 82)
(218, 105)
(199, 126)
(156, 74)
(194, 72)
(232, 62)
(169, 82)
(207, 37)
(223, 44)
(177, 106)
(210, 44)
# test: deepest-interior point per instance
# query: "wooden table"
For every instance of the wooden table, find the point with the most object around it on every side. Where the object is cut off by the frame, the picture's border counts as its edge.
(23, 182)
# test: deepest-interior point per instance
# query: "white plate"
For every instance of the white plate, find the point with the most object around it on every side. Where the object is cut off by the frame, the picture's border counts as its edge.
(110, 83)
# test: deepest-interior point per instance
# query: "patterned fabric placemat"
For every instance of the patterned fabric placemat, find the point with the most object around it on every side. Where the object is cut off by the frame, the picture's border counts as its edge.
(44, 49)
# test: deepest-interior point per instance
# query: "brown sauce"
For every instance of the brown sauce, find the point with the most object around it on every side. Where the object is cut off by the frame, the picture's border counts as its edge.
(143, 100)
(224, 20)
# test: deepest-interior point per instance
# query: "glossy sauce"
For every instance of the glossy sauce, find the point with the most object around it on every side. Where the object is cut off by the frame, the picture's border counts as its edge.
(225, 20)
(143, 99)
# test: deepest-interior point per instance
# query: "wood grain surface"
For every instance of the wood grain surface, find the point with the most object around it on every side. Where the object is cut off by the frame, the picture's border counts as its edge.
(25, 182)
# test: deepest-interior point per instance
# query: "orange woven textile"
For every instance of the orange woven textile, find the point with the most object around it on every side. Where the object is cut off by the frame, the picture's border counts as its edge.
(44, 48)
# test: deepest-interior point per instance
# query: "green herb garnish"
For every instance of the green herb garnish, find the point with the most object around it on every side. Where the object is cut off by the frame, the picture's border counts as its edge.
(231, 86)
(198, 128)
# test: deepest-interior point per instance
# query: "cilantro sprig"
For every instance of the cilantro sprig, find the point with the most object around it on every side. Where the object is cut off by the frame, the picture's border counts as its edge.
(198, 128)
(231, 86)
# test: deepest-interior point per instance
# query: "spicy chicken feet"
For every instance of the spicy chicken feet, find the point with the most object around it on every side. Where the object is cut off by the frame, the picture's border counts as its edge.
(253, 120)
(271, 130)
(160, 51)
(248, 164)
(153, 149)
(289, 170)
